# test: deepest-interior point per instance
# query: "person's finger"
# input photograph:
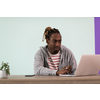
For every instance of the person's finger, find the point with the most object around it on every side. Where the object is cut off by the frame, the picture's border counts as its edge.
(66, 68)
(66, 71)
(70, 67)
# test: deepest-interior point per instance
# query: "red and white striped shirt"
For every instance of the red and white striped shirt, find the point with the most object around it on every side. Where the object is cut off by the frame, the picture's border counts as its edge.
(53, 60)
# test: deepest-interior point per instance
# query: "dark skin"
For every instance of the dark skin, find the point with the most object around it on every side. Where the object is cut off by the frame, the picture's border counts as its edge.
(54, 44)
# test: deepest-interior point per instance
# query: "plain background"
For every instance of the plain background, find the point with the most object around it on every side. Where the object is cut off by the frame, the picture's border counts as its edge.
(21, 37)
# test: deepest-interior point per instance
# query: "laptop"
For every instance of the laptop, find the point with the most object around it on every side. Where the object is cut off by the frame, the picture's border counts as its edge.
(88, 65)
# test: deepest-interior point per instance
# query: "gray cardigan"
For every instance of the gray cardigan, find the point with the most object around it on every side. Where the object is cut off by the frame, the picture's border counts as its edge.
(41, 66)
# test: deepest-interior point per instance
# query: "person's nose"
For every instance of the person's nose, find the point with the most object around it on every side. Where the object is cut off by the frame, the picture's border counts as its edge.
(58, 44)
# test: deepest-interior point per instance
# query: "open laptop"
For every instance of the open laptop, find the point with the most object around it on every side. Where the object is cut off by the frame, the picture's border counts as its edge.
(88, 65)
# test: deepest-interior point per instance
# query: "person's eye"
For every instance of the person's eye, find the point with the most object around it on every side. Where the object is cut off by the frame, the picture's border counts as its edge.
(60, 41)
(54, 41)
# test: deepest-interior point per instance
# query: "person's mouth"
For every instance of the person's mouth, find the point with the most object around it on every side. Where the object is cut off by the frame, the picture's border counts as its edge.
(57, 48)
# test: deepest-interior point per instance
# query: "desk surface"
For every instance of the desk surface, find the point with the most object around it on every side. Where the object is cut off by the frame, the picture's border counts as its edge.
(21, 79)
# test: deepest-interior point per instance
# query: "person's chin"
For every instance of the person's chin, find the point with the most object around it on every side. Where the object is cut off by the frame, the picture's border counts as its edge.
(57, 50)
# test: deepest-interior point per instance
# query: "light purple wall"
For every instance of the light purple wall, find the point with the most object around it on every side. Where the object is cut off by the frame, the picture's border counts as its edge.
(97, 35)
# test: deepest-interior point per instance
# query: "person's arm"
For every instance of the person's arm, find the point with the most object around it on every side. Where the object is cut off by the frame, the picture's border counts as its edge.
(70, 60)
(73, 63)
(39, 68)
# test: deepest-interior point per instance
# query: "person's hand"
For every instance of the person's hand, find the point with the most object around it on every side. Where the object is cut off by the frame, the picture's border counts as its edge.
(69, 68)
(66, 69)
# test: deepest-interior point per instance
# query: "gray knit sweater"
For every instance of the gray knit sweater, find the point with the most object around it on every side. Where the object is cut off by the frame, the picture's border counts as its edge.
(41, 66)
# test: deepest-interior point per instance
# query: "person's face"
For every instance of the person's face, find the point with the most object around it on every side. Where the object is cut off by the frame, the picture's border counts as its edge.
(54, 43)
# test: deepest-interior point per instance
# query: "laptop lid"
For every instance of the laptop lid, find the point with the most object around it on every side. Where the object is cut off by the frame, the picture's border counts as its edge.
(88, 65)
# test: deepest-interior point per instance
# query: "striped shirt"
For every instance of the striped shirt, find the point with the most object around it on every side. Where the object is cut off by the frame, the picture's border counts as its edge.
(53, 60)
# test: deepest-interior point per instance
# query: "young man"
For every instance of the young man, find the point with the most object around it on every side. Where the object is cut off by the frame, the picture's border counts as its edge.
(54, 58)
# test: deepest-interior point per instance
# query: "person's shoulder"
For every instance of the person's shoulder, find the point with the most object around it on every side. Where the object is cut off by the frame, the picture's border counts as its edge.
(42, 49)
(65, 49)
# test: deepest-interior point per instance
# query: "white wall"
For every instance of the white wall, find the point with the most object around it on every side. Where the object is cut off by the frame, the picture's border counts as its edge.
(21, 37)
